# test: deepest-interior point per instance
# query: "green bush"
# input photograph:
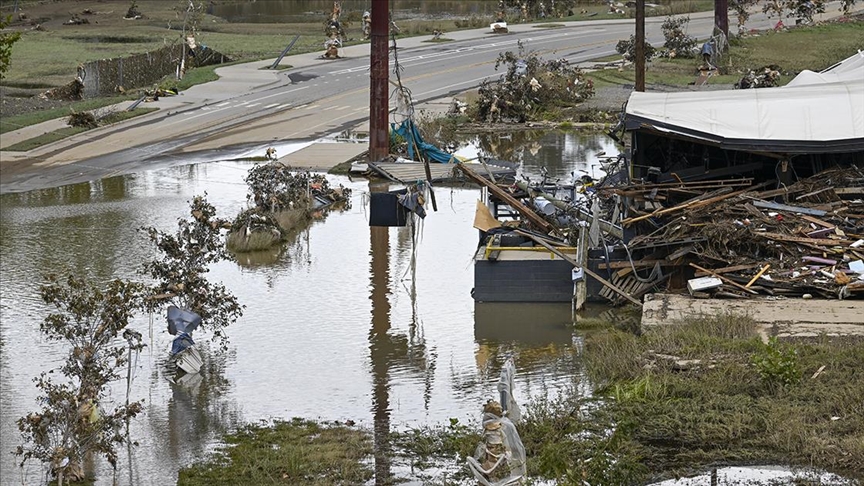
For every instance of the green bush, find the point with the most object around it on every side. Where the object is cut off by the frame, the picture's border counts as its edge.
(777, 364)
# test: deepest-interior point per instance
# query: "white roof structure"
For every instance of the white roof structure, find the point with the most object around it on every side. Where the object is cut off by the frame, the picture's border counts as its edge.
(849, 70)
(818, 113)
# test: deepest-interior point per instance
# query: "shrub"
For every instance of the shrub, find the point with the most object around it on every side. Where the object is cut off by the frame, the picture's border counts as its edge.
(777, 364)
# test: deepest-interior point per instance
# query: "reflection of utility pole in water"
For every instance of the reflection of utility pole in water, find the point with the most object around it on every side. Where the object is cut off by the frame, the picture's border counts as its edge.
(379, 343)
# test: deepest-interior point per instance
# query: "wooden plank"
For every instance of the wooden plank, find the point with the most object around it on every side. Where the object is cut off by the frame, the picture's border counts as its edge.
(585, 269)
(735, 268)
(818, 221)
(808, 241)
(514, 203)
(636, 263)
(689, 205)
(756, 277)
(786, 207)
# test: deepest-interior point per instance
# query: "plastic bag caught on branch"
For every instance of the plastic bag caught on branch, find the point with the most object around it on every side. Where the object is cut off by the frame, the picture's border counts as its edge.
(500, 456)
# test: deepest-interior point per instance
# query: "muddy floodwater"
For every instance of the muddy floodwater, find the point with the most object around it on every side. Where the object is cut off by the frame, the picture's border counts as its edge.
(336, 326)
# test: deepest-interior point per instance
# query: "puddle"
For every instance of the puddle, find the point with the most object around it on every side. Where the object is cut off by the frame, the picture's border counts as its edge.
(759, 476)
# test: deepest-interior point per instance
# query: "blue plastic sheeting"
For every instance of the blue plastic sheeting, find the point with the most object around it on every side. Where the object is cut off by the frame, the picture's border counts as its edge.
(181, 343)
(408, 130)
(182, 320)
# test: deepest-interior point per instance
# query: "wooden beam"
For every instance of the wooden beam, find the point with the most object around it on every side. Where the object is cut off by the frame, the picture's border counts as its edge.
(637, 264)
(721, 277)
(736, 268)
(756, 277)
(587, 270)
(806, 241)
(692, 204)
(514, 203)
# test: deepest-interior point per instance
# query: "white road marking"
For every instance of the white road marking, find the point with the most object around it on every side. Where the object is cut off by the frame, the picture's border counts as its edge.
(271, 105)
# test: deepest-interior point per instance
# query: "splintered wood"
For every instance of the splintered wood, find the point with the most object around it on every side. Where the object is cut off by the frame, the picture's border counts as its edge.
(804, 240)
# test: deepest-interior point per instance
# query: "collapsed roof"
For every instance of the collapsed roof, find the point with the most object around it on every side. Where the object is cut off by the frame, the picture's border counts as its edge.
(815, 113)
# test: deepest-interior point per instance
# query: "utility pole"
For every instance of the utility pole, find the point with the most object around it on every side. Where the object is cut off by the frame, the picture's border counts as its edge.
(379, 72)
(640, 45)
(721, 16)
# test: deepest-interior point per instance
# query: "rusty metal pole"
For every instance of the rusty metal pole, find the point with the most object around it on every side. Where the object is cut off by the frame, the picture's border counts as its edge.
(379, 60)
(640, 45)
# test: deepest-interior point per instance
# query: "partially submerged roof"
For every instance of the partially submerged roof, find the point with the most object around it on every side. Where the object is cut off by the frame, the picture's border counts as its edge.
(811, 116)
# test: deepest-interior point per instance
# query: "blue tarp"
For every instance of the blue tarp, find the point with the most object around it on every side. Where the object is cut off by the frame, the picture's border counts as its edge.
(408, 130)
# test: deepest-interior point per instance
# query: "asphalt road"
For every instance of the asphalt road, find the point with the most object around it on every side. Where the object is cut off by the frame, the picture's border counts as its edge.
(251, 107)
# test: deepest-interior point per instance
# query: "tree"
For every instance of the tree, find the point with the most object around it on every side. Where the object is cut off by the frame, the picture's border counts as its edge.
(531, 9)
(7, 39)
(73, 421)
(800, 9)
(185, 258)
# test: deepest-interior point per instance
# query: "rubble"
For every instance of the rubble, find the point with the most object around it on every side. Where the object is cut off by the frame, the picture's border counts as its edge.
(282, 200)
(764, 77)
(808, 244)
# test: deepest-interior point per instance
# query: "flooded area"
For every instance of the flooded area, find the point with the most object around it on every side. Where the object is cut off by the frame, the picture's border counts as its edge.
(336, 326)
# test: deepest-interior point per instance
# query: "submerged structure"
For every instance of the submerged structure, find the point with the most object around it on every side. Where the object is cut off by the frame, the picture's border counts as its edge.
(761, 191)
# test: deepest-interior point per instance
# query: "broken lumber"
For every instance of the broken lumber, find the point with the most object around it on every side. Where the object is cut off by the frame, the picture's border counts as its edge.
(721, 277)
(514, 203)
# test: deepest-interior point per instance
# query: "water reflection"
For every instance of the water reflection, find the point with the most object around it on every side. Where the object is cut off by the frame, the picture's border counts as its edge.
(403, 345)
(562, 154)
(380, 346)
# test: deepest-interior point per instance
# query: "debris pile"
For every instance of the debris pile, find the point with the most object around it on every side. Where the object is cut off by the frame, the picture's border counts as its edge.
(529, 86)
(746, 243)
(282, 200)
(764, 77)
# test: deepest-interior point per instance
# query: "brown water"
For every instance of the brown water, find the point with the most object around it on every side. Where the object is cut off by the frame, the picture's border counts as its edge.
(336, 326)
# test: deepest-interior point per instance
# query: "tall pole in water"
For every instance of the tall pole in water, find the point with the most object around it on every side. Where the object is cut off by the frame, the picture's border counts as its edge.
(379, 145)
(640, 45)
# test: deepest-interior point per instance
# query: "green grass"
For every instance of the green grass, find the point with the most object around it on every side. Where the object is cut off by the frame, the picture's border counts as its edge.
(726, 410)
(193, 77)
(9, 123)
(298, 452)
(66, 132)
(814, 48)
(45, 139)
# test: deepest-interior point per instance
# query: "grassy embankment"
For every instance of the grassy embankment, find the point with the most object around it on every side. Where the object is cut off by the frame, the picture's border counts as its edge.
(735, 400)
(62, 133)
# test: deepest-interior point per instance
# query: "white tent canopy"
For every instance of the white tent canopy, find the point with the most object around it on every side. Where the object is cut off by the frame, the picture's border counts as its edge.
(817, 117)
